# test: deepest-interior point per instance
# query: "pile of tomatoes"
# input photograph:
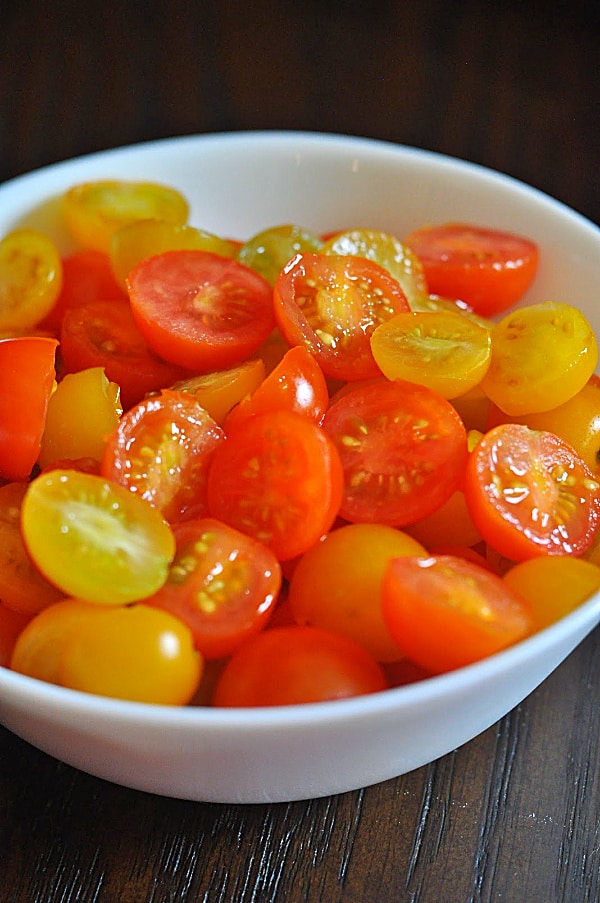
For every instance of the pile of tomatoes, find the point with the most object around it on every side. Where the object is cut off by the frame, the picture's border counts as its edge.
(288, 469)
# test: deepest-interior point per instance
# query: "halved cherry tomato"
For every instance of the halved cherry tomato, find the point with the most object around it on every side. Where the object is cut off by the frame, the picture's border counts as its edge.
(87, 277)
(222, 583)
(542, 355)
(22, 586)
(105, 334)
(331, 304)
(296, 384)
(291, 665)
(278, 478)
(529, 493)
(336, 584)
(200, 310)
(95, 210)
(161, 451)
(268, 251)
(444, 350)
(27, 373)
(403, 449)
(445, 612)
(30, 279)
(94, 539)
(488, 268)
(220, 390)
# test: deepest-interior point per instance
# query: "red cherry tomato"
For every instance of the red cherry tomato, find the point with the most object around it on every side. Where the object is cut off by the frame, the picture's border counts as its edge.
(331, 304)
(87, 277)
(529, 493)
(488, 269)
(277, 477)
(199, 309)
(289, 665)
(221, 583)
(403, 449)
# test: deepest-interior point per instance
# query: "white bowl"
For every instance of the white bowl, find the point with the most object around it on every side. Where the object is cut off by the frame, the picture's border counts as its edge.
(238, 184)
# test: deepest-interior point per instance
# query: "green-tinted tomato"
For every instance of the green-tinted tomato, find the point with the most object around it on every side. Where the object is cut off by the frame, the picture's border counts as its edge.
(268, 251)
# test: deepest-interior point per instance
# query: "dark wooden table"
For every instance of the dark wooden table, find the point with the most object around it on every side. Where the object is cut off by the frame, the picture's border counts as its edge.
(512, 816)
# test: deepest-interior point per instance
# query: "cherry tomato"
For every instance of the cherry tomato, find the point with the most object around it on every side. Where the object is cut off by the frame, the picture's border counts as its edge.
(200, 310)
(278, 478)
(443, 350)
(385, 250)
(268, 251)
(94, 539)
(296, 384)
(22, 587)
(331, 304)
(221, 583)
(81, 413)
(553, 586)
(144, 238)
(218, 392)
(489, 269)
(529, 493)
(131, 652)
(12, 623)
(94, 211)
(336, 585)
(542, 355)
(30, 279)
(87, 277)
(403, 449)
(161, 450)
(450, 523)
(446, 612)
(104, 334)
(27, 373)
(291, 665)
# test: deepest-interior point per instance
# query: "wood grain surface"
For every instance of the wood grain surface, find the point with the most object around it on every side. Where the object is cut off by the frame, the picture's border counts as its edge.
(513, 816)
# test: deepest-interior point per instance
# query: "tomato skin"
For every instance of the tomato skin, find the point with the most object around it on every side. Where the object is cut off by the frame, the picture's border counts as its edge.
(218, 392)
(87, 277)
(200, 310)
(489, 269)
(292, 665)
(27, 373)
(277, 477)
(446, 612)
(553, 585)
(105, 334)
(403, 448)
(529, 493)
(12, 623)
(160, 451)
(331, 304)
(222, 583)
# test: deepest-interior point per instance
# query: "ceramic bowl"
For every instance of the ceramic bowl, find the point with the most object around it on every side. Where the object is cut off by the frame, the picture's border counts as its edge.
(238, 184)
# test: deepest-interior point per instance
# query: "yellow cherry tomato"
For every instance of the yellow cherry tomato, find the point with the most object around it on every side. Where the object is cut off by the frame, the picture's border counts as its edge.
(542, 355)
(95, 210)
(218, 392)
(553, 585)
(443, 350)
(268, 251)
(30, 279)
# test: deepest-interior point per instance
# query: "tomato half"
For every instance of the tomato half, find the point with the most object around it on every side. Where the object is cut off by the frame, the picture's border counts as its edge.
(446, 612)
(161, 451)
(403, 448)
(30, 279)
(278, 478)
(529, 493)
(27, 374)
(331, 304)
(291, 665)
(105, 334)
(222, 583)
(200, 310)
(268, 251)
(489, 269)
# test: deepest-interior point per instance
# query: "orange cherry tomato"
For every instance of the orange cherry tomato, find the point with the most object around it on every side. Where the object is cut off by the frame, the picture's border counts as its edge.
(161, 450)
(529, 493)
(12, 623)
(489, 269)
(291, 665)
(27, 374)
(553, 585)
(331, 304)
(446, 612)
(278, 478)
(200, 310)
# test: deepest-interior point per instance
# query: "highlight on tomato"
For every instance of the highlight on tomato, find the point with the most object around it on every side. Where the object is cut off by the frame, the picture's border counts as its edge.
(489, 269)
